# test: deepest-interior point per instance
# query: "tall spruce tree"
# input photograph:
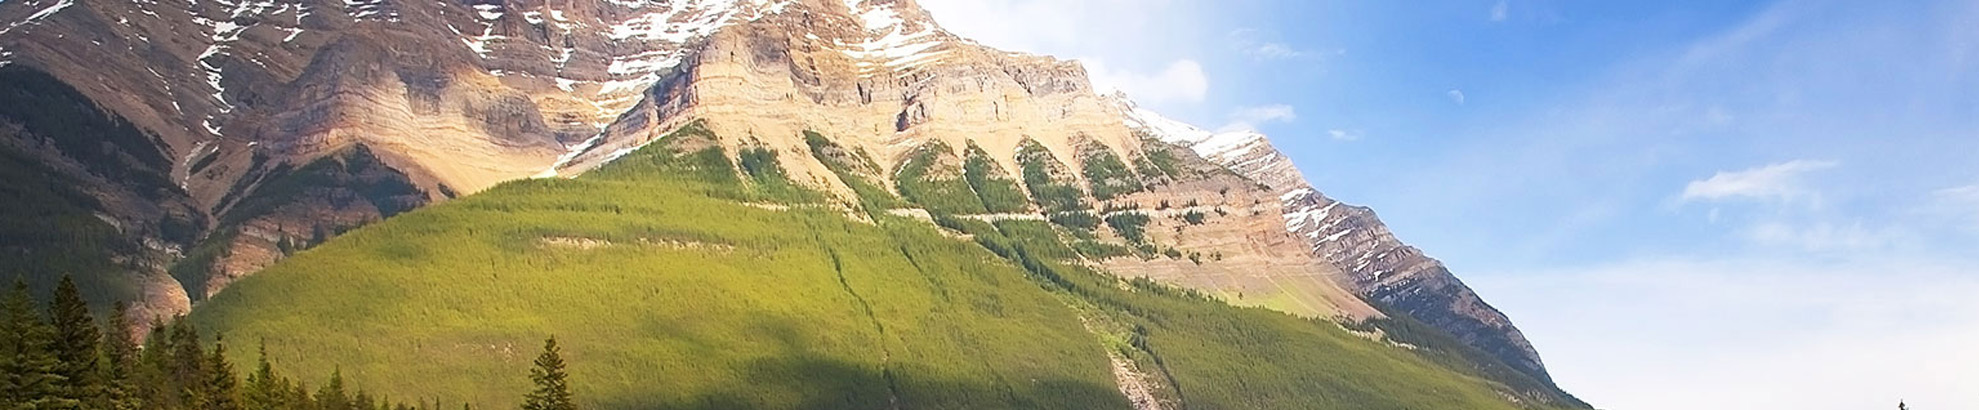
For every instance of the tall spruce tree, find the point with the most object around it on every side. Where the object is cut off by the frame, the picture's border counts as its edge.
(222, 388)
(552, 384)
(75, 346)
(119, 362)
(265, 390)
(30, 375)
(152, 376)
(188, 366)
(333, 396)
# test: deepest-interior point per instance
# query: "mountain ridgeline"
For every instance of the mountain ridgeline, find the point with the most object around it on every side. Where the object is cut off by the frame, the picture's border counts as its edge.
(710, 204)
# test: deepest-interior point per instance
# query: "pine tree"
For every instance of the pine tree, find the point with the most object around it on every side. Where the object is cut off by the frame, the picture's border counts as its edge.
(30, 371)
(119, 362)
(76, 344)
(188, 366)
(552, 385)
(152, 375)
(265, 390)
(299, 397)
(333, 396)
(222, 388)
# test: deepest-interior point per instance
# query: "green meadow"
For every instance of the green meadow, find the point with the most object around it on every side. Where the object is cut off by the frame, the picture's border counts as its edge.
(697, 280)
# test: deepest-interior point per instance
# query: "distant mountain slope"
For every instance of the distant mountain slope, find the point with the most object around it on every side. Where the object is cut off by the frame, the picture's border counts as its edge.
(193, 144)
(677, 279)
(1380, 266)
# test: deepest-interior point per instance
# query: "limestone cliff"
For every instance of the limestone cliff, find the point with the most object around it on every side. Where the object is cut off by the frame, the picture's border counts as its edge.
(1378, 266)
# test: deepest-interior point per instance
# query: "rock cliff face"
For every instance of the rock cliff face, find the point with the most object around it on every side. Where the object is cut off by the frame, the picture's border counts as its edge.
(233, 133)
(1378, 266)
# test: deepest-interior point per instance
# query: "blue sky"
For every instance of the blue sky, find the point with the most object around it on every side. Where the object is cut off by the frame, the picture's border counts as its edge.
(1685, 204)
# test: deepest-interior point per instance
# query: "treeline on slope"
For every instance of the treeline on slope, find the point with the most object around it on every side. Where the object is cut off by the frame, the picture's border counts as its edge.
(801, 308)
(1214, 355)
(690, 300)
(1042, 251)
(1439, 346)
(61, 359)
(48, 212)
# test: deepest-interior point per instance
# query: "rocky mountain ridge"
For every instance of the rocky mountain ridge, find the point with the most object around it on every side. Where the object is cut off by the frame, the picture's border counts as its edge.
(1380, 266)
(276, 125)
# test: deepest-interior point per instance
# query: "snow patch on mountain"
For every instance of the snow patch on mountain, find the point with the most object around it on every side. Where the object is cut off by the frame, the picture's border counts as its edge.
(39, 15)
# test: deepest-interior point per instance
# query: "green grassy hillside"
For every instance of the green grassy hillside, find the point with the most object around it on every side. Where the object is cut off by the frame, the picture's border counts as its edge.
(672, 282)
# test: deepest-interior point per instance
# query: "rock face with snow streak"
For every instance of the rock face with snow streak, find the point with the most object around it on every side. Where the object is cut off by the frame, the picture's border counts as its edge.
(286, 122)
(1379, 266)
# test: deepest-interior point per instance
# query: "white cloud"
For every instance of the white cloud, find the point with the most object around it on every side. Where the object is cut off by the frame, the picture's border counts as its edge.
(1274, 51)
(1254, 43)
(1249, 118)
(1344, 135)
(1141, 47)
(1180, 81)
(1501, 10)
(1854, 333)
(1456, 96)
(1777, 182)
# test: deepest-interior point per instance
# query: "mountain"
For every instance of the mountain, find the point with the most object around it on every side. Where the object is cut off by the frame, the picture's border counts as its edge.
(190, 146)
(1380, 267)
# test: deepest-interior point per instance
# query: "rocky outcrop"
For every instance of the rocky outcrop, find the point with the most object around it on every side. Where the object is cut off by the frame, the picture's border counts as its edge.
(1377, 265)
(264, 127)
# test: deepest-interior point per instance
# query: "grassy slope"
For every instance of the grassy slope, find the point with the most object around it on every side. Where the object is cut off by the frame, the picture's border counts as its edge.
(772, 309)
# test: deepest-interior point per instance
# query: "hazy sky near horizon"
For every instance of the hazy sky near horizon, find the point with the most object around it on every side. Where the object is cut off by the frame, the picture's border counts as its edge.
(1684, 204)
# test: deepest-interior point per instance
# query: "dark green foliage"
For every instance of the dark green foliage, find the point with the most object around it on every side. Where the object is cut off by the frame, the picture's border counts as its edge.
(1080, 220)
(552, 384)
(1107, 176)
(264, 390)
(354, 173)
(1159, 160)
(691, 153)
(854, 170)
(107, 144)
(1442, 348)
(333, 396)
(119, 361)
(48, 229)
(222, 386)
(998, 193)
(355, 170)
(75, 346)
(799, 308)
(30, 374)
(924, 180)
(1193, 217)
(1130, 225)
(1047, 189)
(769, 180)
(1100, 250)
(1037, 238)
(39, 365)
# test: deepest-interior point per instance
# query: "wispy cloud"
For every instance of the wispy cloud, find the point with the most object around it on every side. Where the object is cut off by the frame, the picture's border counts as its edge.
(1456, 96)
(1344, 135)
(1777, 182)
(1181, 81)
(1501, 11)
(1249, 118)
(1258, 45)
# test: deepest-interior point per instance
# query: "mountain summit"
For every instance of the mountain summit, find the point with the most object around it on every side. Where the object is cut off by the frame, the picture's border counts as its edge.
(164, 151)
